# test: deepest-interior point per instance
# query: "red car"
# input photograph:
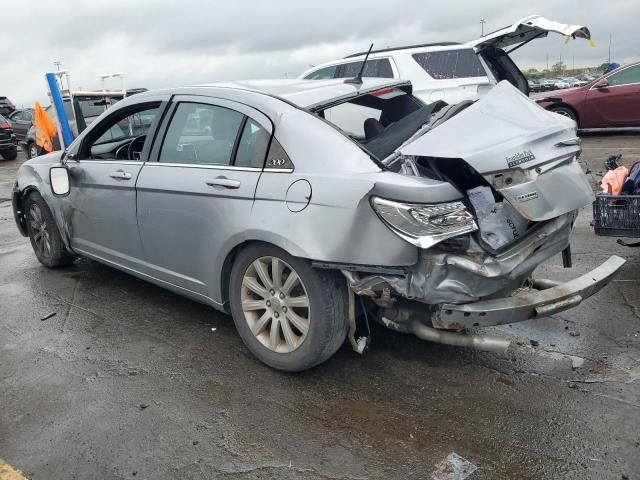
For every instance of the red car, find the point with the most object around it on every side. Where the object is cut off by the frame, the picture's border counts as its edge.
(612, 100)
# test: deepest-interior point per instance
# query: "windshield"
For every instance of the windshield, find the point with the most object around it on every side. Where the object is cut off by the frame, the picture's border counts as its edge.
(380, 121)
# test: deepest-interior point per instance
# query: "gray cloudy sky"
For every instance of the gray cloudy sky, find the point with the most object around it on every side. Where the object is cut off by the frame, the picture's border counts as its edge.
(166, 43)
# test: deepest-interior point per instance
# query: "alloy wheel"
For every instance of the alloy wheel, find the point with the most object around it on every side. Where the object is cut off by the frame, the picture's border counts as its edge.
(39, 231)
(275, 304)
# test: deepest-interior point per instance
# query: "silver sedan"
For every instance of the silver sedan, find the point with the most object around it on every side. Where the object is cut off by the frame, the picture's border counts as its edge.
(308, 209)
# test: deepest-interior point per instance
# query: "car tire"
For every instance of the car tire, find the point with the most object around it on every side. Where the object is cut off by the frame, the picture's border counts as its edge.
(43, 233)
(32, 150)
(10, 155)
(270, 314)
(565, 112)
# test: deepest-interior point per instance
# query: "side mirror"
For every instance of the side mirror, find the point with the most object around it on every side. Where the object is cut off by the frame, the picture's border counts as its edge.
(604, 83)
(59, 179)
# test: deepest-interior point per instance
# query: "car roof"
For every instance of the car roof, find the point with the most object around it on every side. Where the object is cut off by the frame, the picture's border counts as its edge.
(406, 47)
(389, 52)
(309, 93)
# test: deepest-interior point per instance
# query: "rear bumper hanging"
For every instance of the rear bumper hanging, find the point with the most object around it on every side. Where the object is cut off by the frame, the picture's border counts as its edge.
(547, 299)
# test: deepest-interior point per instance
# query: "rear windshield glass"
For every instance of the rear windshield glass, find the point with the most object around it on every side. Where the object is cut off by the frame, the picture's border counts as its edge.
(381, 121)
(450, 64)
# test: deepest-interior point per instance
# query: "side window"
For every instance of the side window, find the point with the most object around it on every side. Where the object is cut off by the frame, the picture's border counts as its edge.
(201, 134)
(252, 147)
(450, 64)
(626, 76)
(379, 67)
(121, 137)
(322, 74)
(384, 68)
(16, 116)
(27, 115)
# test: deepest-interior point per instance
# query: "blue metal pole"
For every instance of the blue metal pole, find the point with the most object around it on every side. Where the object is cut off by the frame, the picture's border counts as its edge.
(56, 96)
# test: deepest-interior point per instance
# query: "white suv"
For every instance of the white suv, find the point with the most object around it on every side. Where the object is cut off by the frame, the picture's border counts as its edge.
(449, 71)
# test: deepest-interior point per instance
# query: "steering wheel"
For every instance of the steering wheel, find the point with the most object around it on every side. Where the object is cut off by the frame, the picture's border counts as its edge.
(134, 150)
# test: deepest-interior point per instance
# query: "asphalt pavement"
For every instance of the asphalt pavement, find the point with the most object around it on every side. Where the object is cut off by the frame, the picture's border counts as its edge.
(127, 380)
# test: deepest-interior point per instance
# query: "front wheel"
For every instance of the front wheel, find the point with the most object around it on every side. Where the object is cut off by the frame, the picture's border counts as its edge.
(43, 233)
(565, 112)
(289, 315)
(32, 150)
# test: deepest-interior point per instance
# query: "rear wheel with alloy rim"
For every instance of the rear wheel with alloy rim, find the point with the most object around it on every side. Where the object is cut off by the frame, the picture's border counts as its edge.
(289, 315)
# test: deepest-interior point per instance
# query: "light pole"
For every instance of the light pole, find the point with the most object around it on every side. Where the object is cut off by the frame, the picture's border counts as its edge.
(482, 22)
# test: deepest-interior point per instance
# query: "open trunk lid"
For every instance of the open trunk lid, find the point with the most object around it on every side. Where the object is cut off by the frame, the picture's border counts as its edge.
(534, 26)
(526, 153)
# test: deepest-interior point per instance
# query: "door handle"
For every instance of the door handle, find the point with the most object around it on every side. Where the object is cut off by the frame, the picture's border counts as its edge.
(121, 175)
(224, 182)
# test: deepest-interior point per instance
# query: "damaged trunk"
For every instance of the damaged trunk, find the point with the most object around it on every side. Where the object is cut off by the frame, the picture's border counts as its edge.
(514, 166)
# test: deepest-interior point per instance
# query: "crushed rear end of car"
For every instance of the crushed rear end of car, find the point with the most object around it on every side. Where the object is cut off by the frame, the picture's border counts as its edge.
(520, 186)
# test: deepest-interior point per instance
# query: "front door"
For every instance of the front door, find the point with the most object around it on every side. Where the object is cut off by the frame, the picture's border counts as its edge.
(101, 211)
(617, 104)
(192, 200)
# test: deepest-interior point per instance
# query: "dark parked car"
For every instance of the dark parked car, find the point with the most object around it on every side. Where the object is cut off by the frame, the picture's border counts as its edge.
(8, 142)
(613, 100)
(22, 121)
(6, 107)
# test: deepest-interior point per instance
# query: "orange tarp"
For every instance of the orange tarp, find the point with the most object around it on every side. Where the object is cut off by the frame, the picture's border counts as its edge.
(46, 130)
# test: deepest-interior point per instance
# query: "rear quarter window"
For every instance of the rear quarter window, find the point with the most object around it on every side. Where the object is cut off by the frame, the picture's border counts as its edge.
(450, 64)
(377, 67)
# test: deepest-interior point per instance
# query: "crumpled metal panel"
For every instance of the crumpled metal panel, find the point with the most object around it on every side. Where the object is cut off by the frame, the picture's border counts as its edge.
(520, 152)
(453, 278)
(441, 277)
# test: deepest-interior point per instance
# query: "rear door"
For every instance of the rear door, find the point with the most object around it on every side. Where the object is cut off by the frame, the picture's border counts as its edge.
(528, 29)
(452, 75)
(617, 104)
(22, 121)
(193, 199)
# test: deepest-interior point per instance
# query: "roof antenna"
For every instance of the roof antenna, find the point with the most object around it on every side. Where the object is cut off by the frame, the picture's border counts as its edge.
(358, 78)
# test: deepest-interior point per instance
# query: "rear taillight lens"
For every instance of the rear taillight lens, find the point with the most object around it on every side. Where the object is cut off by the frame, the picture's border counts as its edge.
(6, 126)
(425, 225)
